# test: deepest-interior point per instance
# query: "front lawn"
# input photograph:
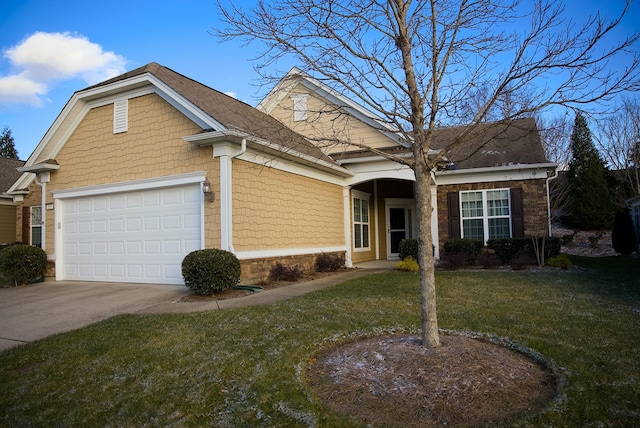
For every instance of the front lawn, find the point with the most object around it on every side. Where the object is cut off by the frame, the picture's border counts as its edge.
(246, 367)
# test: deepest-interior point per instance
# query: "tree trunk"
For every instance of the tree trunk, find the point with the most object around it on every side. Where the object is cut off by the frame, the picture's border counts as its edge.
(428, 314)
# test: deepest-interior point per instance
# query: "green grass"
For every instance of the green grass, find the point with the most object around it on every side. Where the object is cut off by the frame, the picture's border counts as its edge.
(245, 367)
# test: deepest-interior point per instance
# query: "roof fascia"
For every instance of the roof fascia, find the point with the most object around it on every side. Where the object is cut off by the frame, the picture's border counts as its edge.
(497, 173)
(295, 76)
(216, 138)
(83, 101)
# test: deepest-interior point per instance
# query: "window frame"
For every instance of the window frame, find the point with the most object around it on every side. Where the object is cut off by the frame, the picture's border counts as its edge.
(360, 224)
(485, 217)
(35, 225)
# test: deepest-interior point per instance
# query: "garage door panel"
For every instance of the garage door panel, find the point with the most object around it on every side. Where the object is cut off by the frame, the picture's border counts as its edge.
(140, 236)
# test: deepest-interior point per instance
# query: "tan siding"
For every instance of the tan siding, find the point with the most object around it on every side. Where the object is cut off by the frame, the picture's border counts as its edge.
(359, 256)
(7, 223)
(273, 209)
(325, 121)
(151, 147)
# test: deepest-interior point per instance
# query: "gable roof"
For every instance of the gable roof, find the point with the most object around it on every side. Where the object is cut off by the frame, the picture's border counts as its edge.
(296, 76)
(229, 112)
(486, 145)
(9, 173)
(209, 108)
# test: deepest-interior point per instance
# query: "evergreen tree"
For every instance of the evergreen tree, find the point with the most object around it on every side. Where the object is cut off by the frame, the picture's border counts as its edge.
(590, 206)
(7, 146)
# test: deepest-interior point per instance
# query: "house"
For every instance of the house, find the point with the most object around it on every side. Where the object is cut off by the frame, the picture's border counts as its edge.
(8, 175)
(140, 170)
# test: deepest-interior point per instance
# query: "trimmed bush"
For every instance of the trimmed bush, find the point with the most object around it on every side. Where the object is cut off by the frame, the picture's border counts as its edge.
(329, 262)
(511, 248)
(453, 261)
(21, 264)
(408, 265)
(562, 261)
(281, 272)
(623, 236)
(408, 248)
(487, 260)
(468, 247)
(210, 270)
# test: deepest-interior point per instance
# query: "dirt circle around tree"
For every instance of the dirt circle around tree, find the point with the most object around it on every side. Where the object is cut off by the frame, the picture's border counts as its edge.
(394, 381)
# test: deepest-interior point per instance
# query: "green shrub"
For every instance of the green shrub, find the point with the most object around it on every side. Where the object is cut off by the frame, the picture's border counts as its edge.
(487, 260)
(408, 264)
(468, 247)
(329, 262)
(567, 239)
(511, 248)
(21, 264)
(3, 246)
(623, 236)
(281, 272)
(210, 270)
(453, 261)
(408, 248)
(561, 260)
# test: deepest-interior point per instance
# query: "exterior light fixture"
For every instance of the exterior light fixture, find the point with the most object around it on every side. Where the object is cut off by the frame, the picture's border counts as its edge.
(208, 193)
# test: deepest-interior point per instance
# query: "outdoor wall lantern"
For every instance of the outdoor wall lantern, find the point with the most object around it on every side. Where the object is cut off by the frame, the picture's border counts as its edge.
(208, 193)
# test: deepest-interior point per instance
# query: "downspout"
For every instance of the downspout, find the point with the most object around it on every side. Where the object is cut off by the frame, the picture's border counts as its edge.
(226, 200)
(555, 175)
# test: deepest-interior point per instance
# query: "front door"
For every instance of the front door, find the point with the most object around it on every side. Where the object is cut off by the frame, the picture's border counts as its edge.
(400, 225)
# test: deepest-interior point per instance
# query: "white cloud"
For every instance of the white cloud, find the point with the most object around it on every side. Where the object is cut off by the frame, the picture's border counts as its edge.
(18, 89)
(44, 58)
(232, 94)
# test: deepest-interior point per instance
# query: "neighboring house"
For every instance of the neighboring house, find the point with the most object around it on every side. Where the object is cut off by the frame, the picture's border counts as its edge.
(8, 175)
(140, 170)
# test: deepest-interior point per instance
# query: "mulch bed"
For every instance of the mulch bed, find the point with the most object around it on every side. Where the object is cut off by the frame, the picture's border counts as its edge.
(393, 381)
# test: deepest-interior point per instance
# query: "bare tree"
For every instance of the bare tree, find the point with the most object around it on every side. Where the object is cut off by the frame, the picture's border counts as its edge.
(555, 135)
(619, 144)
(414, 63)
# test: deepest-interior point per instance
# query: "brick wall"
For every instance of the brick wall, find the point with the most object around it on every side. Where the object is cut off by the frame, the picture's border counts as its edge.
(257, 270)
(534, 199)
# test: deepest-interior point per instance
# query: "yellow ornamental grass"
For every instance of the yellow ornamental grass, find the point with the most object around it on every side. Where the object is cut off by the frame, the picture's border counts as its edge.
(409, 265)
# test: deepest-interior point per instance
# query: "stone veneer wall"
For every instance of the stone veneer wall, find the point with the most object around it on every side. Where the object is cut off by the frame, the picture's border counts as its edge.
(534, 200)
(255, 271)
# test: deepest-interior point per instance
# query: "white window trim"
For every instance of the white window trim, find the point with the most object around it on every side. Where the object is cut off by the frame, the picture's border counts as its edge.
(33, 225)
(363, 196)
(485, 212)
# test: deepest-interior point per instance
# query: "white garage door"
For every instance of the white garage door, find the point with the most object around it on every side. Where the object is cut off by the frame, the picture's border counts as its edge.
(138, 236)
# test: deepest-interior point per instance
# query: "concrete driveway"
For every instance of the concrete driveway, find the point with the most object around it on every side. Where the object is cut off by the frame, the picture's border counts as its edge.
(35, 311)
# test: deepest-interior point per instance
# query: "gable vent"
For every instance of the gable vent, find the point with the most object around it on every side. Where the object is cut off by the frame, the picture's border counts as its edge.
(120, 116)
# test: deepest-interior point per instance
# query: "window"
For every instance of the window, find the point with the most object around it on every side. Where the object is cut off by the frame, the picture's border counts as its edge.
(299, 107)
(36, 225)
(485, 214)
(361, 221)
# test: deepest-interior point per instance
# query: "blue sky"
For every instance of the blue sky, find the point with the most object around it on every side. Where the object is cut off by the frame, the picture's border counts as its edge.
(50, 49)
